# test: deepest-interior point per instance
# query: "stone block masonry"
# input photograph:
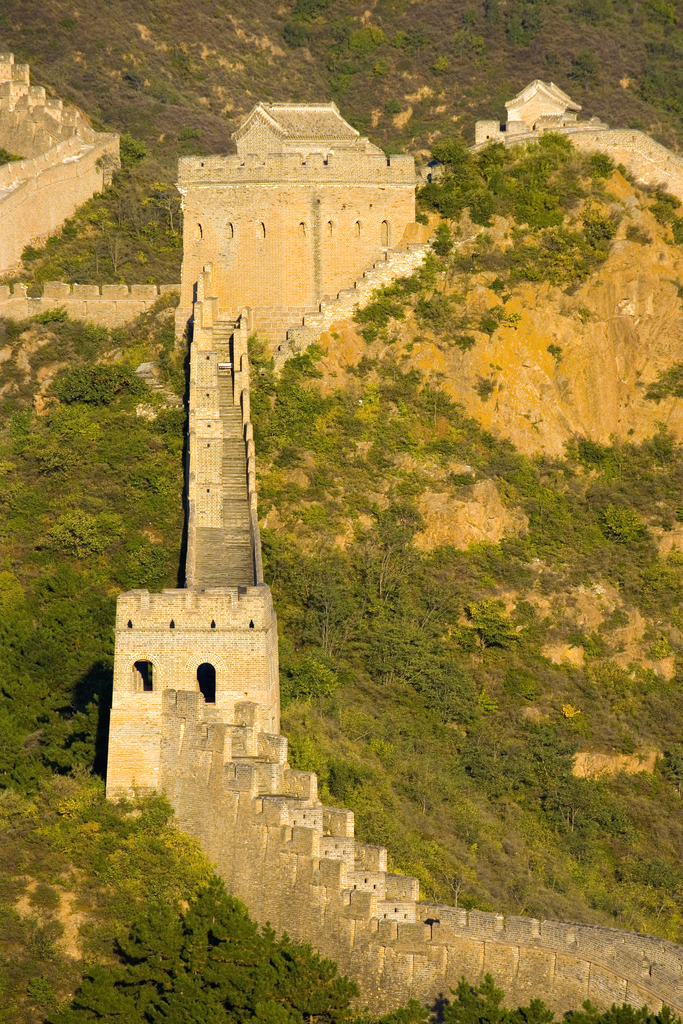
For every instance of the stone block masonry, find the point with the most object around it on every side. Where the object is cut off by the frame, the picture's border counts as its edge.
(286, 231)
(112, 305)
(65, 163)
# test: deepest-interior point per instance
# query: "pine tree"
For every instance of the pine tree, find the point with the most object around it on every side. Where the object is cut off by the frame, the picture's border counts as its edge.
(209, 965)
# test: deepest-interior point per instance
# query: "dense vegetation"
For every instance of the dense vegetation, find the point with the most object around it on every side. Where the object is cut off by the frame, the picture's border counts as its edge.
(416, 685)
(132, 232)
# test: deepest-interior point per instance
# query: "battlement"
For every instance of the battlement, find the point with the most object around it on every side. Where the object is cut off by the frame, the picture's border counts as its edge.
(33, 120)
(337, 167)
(111, 305)
(295, 863)
(64, 161)
(210, 610)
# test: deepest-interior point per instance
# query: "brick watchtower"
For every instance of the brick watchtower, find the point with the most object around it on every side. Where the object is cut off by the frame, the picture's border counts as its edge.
(295, 217)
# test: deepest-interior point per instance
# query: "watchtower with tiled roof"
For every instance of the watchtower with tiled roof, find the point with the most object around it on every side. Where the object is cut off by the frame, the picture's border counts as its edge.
(294, 128)
(302, 210)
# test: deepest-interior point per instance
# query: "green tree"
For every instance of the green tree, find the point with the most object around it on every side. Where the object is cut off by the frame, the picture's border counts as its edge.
(211, 965)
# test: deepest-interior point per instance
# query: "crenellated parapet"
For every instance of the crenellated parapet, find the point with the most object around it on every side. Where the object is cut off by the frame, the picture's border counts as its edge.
(296, 863)
(334, 168)
(64, 161)
(30, 120)
(111, 305)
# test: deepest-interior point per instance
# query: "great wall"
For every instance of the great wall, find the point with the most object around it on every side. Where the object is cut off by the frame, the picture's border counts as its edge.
(111, 306)
(183, 722)
(286, 238)
(63, 162)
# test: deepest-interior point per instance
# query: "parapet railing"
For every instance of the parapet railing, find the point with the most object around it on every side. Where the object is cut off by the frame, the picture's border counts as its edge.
(343, 165)
(242, 394)
(59, 291)
(205, 318)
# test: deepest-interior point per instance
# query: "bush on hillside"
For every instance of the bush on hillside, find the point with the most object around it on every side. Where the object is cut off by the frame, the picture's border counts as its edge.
(97, 385)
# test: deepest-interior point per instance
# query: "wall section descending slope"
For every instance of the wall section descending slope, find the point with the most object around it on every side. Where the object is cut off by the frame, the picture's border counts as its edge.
(64, 162)
(195, 714)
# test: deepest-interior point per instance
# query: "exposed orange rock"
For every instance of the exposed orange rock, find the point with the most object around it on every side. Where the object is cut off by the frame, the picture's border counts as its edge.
(481, 517)
(593, 766)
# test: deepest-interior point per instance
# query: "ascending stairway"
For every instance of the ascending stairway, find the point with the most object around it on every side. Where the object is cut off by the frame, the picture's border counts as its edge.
(225, 556)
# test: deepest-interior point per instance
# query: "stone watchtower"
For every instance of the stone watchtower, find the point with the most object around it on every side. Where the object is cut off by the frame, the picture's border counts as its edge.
(296, 216)
(212, 646)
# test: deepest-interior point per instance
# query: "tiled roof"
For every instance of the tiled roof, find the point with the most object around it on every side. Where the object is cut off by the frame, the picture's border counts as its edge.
(550, 89)
(304, 121)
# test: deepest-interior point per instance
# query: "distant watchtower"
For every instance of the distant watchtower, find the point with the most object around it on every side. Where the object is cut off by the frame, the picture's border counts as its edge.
(296, 216)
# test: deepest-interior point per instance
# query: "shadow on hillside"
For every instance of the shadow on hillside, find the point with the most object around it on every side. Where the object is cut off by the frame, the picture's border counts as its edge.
(91, 703)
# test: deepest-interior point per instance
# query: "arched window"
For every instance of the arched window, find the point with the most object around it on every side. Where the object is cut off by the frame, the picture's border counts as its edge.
(198, 233)
(330, 229)
(206, 677)
(229, 230)
(302, 230)
(143, 675)
(384, 234)
(260, 229)
(356, 229)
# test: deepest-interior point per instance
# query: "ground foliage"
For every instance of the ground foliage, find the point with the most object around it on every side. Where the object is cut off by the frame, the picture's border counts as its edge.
(210, 964)
(91, 498)
(75, 869)
(131, 233)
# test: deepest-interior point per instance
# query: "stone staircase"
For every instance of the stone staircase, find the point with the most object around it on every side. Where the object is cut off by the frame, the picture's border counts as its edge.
(225, 556)
(394, 264)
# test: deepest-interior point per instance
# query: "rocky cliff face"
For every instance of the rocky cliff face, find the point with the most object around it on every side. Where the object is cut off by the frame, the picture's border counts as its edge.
(609, 338)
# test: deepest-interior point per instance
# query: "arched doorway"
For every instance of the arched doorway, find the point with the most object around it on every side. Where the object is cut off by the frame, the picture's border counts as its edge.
(143, 672)
(384, 234)
(206, 677)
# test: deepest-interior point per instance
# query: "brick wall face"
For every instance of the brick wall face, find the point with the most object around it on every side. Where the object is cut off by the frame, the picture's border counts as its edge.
(66, 162)
(285, 234)
(112, 306)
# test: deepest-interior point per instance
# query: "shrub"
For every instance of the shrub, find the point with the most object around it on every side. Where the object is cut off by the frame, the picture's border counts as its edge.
(621, 524)
(97, 385)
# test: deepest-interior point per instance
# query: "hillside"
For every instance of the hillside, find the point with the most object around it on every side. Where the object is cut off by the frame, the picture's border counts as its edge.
(176, 79)
(470, 494)
(181, 75)
(473, 629)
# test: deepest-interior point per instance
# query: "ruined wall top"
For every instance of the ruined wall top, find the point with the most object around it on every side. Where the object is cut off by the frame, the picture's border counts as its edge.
(31, 122)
